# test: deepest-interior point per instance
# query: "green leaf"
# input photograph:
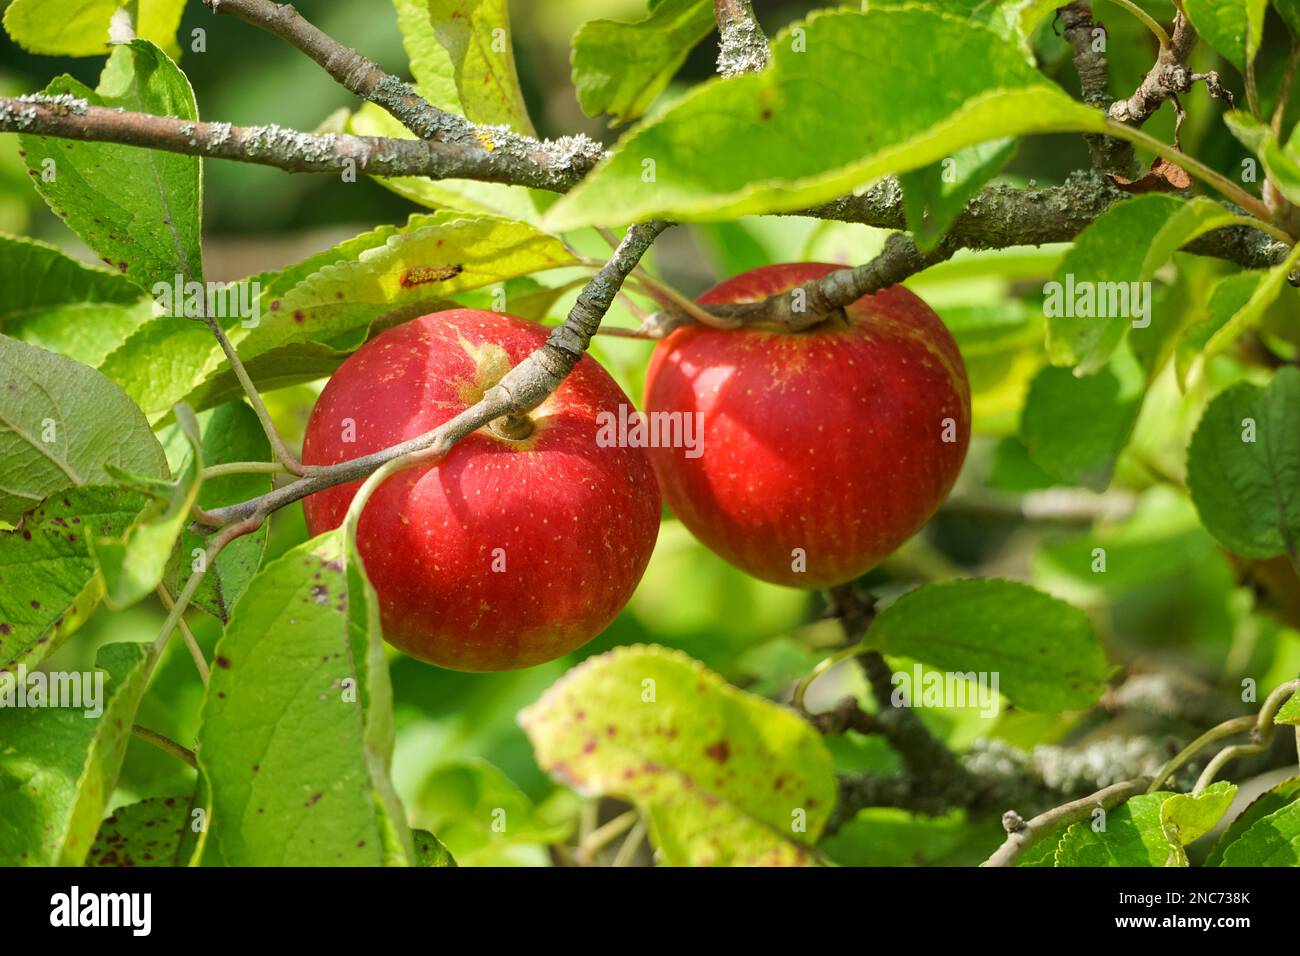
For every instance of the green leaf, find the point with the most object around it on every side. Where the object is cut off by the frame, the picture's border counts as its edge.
(132, 564)
(1289, 713)
(48, 583)
(1099, 286)
(1042, 853)
(80, 27)
(1243, 468)
(35, 277)
(60, 424)
(431, 66)
(928, 83)
(1229, 297)
(725, 777)
(433, 257)
(149, 833)
(933, 196)
(1290, 13)
(230, 433)
(481, 816)
(1187, 817)
(619, 68)
(1133, 836)
(278, 368)
(1270, 840)
(1233, 27)
(1075, 426)
(193, 356)
(84, 332)
(139, 209)
(50, 299)
(475, 35)
(1269, 802)
(325, 306)
(887, 836)
(58, 766)
(297, 731)
(1280, 163)
(1160, 558)
(429, 851)
(1043, 650)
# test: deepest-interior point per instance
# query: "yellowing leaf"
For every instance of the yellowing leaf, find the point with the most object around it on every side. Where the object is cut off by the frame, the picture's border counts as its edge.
(726, 778)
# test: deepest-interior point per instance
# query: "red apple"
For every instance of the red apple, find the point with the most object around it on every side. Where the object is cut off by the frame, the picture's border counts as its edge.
(823, 450)
(507, 552)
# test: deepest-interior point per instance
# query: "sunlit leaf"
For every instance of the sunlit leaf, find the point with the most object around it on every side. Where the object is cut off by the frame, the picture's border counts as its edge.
(725, 777)
(58, 765)
(931, 85)
(138, 209)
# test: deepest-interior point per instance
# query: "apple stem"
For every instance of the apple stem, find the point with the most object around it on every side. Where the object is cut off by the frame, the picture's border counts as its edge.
(512, 427)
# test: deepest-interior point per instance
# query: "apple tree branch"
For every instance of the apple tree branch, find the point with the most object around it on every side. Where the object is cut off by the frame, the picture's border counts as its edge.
(564, 161)
(742, 45)
(519, 391)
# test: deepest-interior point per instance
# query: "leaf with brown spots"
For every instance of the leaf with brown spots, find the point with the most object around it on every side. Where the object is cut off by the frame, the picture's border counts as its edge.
(48, 582)
(138, 209)
(431, 258)
(700, 757)
(60, 424)
(58, 767)
(152, 832)
(297, 732)
(429, 851)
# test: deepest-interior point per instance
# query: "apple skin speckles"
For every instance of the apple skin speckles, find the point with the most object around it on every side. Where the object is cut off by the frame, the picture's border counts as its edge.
(831, 441)
(505, 553)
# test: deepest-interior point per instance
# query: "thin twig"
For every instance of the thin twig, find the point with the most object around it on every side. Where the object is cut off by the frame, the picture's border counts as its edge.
(521, 390)
(243, 468)
(1022, 834)
(279, 449)
(1169, 76)
(1002, 216)
(196, 652)
(1261, 729)
(631, 844)
(165, 744)
(822, 299)
(1146, 20)
(557, 164)
(605, 834)
(1235, 725)
(233, 530)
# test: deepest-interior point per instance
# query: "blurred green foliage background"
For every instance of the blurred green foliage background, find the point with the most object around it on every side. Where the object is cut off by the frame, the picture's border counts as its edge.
(1172, 599)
